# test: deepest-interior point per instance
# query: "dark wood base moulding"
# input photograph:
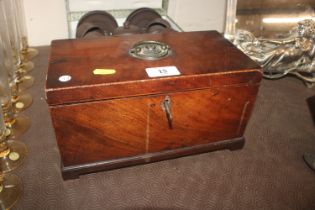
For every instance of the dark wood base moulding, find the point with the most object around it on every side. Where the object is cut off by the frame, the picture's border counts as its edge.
(73, 172)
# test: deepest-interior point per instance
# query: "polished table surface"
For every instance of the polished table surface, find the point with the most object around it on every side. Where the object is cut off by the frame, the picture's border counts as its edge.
(268, 173)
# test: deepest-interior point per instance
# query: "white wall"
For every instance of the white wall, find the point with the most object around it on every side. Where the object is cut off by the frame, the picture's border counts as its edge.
(46, 19)
(195, 15)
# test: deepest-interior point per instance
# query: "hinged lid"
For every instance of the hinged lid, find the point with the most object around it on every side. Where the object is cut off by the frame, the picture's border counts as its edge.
(84, 70)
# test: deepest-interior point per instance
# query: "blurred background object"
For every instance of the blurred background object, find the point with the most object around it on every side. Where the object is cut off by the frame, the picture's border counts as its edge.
(268, 18)
(90, 19)
(99, 23)
(45, 25)
(280, 35)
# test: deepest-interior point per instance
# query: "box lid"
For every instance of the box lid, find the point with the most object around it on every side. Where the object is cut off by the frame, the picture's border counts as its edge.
(204, 59)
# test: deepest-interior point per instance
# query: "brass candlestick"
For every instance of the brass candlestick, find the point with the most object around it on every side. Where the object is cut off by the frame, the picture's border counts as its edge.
(27, 53)
(10, 190)
(16, 125)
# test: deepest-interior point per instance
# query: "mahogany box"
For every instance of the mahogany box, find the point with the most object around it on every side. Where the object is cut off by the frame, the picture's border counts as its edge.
(119, 101)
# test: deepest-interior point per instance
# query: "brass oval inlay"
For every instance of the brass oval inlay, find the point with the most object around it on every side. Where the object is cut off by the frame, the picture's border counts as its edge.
(150, 50)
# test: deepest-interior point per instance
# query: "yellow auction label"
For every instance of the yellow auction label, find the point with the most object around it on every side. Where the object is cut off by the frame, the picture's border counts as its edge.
(104, 71)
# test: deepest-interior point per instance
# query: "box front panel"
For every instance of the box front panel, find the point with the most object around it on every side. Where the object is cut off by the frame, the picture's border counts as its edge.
(121, 128)
(200, 117)
(98, 131)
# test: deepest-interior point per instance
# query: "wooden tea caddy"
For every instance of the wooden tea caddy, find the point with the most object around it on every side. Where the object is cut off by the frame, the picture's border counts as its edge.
(108, 112)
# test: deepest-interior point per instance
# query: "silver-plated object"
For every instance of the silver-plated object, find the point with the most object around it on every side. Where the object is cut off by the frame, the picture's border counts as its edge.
(150, 50)
(279, 57)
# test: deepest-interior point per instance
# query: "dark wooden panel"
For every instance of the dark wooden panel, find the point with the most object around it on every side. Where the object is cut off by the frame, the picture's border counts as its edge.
(101, 130)
(200, 117)
(73, 172)
(119, 128)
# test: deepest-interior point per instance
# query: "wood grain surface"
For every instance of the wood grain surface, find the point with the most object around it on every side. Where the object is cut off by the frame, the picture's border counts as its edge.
(194, 54)
(110, 129)
(99, 119)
